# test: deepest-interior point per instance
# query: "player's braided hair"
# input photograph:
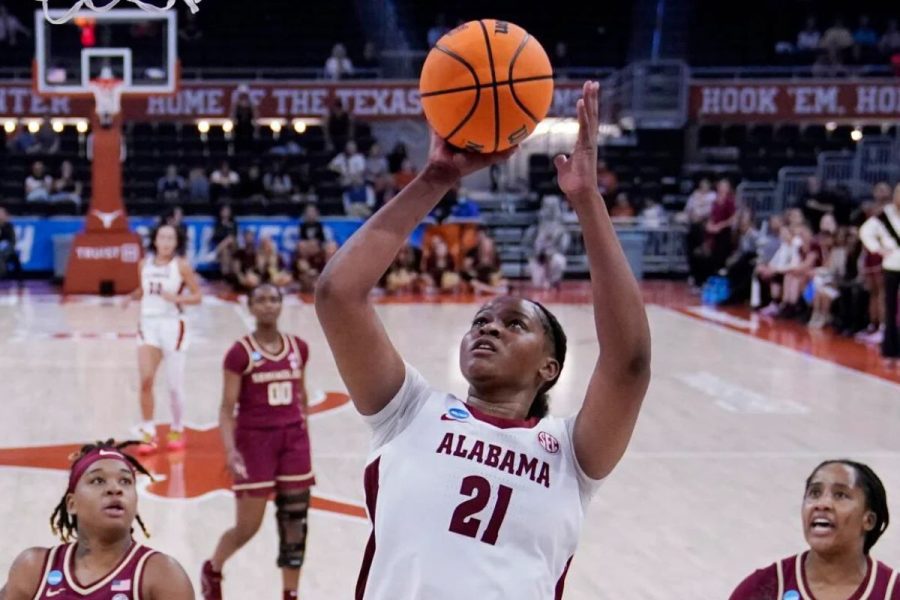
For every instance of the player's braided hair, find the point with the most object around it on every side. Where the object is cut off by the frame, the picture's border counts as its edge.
(876, 496)
(65, 525)
(557, 337)
(265, 284)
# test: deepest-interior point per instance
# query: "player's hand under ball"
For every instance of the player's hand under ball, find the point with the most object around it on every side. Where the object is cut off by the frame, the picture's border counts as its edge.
(446, 164)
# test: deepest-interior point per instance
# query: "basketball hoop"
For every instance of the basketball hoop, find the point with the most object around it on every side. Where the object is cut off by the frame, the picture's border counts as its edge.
(89, 4)
(107, 98)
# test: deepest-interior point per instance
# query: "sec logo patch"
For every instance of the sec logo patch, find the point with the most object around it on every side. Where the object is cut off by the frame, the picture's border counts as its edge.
(549, 443)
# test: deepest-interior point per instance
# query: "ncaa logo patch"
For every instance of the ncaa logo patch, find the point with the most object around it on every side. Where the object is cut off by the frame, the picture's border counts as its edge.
(549, 443)
(455, 414)
(256, 357)
(54, 577)
(120, 597)
(791, 595)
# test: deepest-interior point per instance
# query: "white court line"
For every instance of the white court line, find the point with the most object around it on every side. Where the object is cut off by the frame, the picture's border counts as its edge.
(711, 314)
(784, 349)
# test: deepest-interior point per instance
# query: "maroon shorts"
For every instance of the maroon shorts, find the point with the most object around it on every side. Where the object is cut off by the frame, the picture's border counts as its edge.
(275, 457)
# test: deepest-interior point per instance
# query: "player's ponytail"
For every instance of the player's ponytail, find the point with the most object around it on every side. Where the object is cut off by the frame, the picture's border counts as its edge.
(541, 405)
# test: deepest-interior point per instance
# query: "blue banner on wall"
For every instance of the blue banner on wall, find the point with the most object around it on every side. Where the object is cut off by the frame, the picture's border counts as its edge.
(34, 235)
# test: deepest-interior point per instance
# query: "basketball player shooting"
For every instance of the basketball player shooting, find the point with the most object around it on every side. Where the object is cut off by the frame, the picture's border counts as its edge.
(484, 497)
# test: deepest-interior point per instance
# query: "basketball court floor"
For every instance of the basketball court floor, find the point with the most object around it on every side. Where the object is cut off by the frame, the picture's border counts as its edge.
(738, 413)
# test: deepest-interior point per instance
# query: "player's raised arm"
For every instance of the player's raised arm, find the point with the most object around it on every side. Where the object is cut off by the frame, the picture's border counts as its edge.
(606, 421)
(369, 364)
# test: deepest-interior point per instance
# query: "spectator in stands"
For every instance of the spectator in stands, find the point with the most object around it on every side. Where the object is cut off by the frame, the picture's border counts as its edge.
(313, 229)
(873, 276)
(198, 185)
(438, 30)
(722, 216)
(23, 142)
(836, 41)
(47, 139)
(850, 313)
(881, 235)
(809, 37)
(376, 165)
(65, 187)
(244, 276)
(404, 175)
(771, 274)
(224, 240)
(338, 65)
(270, 265)
(288, 145)
(223, 182)
(277, 182)
(252, 186)
(308, 262)
(338, 127)
(481, 266)
(10, 27)
(696, 214)
(653, 214)
(175, 219)
(865, 40)
(244, 115)
(397, 156)
(740, 265)
(816, 201)
(801, 273)
(171, 187)
(38, 184)
(359, 198)
(349, 164)
(440, 272)
(622, 207)
(607, 182)
(827, 277)
(369, 60)
(465, 208)
(404, 275)
(767, 244)
(9, 257)
(547, 242)
(890, 41)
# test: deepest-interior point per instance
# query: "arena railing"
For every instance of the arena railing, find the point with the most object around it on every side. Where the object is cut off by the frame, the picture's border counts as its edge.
(786, 72)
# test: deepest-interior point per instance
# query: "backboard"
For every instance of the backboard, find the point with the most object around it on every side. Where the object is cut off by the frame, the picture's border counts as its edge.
(138, 47)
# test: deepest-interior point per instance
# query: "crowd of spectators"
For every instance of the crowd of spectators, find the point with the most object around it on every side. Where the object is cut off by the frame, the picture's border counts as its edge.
(833, 49)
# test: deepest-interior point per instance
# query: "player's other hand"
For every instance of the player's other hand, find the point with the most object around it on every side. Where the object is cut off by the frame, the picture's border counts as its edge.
(446, 164)
(236, 464)
(577, 173)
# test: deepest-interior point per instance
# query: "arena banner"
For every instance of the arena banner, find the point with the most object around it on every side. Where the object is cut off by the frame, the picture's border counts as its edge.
(759, 101)
(369, 100)
(35, 236)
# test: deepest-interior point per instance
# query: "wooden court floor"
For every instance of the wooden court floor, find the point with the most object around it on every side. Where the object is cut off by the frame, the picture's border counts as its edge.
(737, 414)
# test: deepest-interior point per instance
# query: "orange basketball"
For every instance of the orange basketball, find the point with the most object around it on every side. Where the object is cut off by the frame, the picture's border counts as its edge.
(486, 85)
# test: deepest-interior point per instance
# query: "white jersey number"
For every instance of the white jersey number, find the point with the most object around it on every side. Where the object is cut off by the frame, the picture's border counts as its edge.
(280, 393)
(464, 521)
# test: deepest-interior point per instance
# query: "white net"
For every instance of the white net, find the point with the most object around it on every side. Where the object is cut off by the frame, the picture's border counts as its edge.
(89, 5)
(107, 97)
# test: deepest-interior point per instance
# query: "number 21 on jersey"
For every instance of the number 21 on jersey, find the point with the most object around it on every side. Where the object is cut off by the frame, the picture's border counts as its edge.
(465, 522)
(280, 393)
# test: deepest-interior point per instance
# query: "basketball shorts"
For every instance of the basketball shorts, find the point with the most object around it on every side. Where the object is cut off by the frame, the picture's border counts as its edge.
(165, 333)
(275, 457)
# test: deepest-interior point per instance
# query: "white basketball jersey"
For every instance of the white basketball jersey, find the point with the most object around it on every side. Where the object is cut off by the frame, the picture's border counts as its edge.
(156, 279)
(468, 506)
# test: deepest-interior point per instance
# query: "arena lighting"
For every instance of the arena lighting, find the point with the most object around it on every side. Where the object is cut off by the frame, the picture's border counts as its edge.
(856, 135)
(57, 125)
(299, 126)
(275, 125)
(203, 126)
(9, 126)
(81, 126)
(830, 125)
(228, 126)
(34, 126)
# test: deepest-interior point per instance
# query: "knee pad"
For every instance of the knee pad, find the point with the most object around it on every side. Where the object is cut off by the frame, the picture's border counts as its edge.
(291, 513)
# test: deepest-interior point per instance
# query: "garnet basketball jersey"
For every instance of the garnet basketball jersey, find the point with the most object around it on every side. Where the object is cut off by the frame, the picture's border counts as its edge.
(58, 581)
(786, 580)
(156, 279)
(271, 384)
(465, 505)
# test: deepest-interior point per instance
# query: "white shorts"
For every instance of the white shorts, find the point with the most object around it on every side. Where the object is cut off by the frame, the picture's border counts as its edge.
(165, 333)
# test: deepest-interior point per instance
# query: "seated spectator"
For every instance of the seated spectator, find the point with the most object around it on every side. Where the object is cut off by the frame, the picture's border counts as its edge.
(171, 187)
(653, 214)
(359, 198)
(696, 214)
(865, 38)
(481, 266)
(827, 277)
(38, 185)
(767, 243)
(376, 165)
(270, 265)
(308, 262)
(198, 185)
(622, 208)
(244, 276)
(809, 37)
(288, 145)
(223, 182)
(722, 216)
(439, 272)
(9, 256)
(252, 187)
(395, 159)
(836, 41)
(404, 275)
(47, 139)
(438, 30)
(311, 228)
(890, 41)
(404, 175)
(465, 208)
(23, 142)
(338, 66)
(349, 164)
(740, 265)
(224, 240)
(65, 187)
(800, 274)
(277, 182)
(338, 126)
(547, 243)
(607, 182)
(771, 273)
